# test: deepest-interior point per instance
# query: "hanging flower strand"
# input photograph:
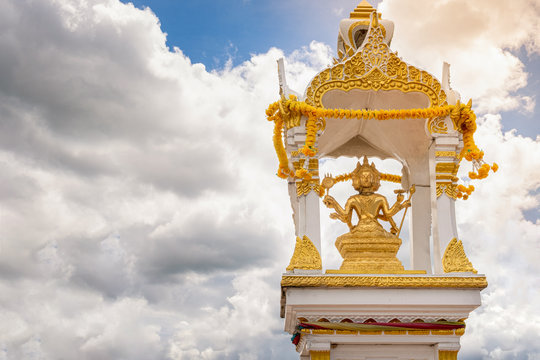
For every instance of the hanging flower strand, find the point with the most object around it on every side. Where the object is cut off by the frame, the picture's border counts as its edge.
(465, 121)
(462, 115)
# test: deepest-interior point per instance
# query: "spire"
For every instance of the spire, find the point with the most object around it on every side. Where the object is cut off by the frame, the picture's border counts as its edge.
(362, 11)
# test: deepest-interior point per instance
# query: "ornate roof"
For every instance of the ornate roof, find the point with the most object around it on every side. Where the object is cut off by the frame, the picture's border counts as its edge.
(374, 67)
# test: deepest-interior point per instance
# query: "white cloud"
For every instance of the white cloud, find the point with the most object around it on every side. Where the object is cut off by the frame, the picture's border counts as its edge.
(479, 40)
(137, 188)
(139, 217)
(503, 244)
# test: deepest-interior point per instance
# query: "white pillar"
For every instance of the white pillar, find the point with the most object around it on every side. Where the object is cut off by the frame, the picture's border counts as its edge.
(420, 229)
(305, 205)
(443, 199)
(420, 214)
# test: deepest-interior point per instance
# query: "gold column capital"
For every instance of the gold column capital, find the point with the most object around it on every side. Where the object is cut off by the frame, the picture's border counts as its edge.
(447, 355)
(320, 355)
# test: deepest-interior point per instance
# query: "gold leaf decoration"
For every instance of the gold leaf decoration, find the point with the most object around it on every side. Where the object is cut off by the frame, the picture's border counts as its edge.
(455, 260)
(449, 188)
(305, 256)
(477, 282)
(305, 186)
(357, 71)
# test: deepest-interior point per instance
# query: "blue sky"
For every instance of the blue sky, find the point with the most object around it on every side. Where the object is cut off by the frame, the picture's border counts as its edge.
(140, 214)
(211, 31)
(215, 31)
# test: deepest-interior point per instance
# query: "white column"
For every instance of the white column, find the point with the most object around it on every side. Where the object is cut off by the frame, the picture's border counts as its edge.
(306, 211)
(420, 229)
(420, 214)
(443, 198)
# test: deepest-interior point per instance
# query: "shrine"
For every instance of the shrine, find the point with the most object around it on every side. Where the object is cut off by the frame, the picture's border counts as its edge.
(372, 104)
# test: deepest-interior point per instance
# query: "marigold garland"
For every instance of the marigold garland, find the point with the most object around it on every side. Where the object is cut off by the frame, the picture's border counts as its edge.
(464, 192)
(391, 178)
(348, 176)
(462, 115)
(385, 177)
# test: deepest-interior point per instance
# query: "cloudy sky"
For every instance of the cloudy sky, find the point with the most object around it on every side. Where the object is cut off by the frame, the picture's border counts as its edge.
(140, 217)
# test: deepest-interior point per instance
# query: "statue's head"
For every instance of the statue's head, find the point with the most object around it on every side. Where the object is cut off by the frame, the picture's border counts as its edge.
(366, 178)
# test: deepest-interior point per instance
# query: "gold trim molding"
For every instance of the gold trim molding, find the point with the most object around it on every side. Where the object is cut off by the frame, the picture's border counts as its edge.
(477, 282)
(383, 332)
(447, 355)
(447, 167)
(320, 355)
(445, 154)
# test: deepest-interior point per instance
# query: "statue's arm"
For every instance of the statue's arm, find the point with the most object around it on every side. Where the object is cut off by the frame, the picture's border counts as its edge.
(398, 205)
(349, 212)
(340, 214)
(388, 212)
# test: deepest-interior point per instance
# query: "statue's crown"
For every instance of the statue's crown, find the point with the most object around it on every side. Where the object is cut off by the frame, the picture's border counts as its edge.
(366, 166)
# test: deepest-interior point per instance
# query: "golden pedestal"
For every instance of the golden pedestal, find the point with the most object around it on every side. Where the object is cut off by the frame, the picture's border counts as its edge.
(373, 255)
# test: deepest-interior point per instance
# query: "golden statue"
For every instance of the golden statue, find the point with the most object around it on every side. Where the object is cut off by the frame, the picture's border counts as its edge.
(368, 247)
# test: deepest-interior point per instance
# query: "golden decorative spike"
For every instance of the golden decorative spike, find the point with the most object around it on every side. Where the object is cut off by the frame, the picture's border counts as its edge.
(362, 11)
(455, 260)
(305, 256)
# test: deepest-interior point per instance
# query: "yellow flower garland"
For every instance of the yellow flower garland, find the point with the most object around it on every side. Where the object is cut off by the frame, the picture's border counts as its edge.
(464, 192)
(348, 176)
(462, 116)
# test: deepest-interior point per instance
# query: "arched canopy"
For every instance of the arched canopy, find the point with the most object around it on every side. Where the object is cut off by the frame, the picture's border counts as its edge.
(375, 78)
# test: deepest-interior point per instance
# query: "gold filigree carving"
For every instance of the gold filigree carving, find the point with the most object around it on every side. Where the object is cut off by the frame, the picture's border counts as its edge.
(305, 186)
(337, 72)
(449, 188)
(295, 153)
(299, 164)
(359, 73)
(477, 282)
(353, 26)
(445, 154)
(455, 259)
(438, 126)
(305, 256)
(447, 167)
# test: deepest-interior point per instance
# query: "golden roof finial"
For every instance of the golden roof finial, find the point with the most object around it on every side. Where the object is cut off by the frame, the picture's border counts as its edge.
(362, 11)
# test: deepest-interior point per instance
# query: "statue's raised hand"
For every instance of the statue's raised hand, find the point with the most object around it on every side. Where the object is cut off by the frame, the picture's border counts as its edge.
(330, 202)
